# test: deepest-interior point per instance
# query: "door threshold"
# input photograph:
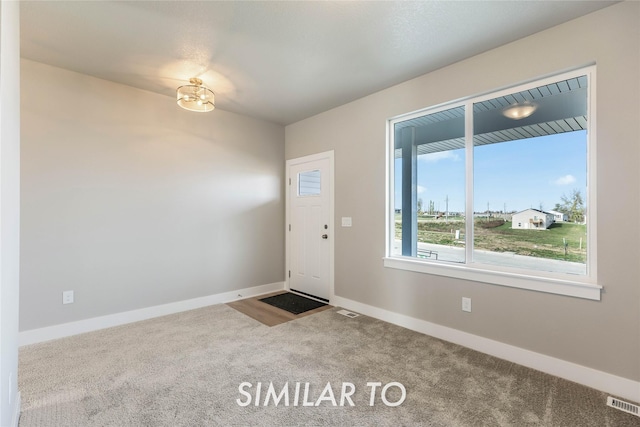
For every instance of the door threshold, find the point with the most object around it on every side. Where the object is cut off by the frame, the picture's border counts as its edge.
(313, 297)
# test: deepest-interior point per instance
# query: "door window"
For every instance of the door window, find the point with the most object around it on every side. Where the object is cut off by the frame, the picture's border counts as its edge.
(309, 183)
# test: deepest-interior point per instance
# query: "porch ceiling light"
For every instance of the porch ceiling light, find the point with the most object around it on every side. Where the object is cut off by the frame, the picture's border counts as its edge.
(519, 111)
(195, 97)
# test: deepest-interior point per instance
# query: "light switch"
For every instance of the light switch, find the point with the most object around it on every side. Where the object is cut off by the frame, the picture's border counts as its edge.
(346, 221)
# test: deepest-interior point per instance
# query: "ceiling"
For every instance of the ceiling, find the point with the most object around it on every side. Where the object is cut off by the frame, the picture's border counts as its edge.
(278, 61)
(561, 107)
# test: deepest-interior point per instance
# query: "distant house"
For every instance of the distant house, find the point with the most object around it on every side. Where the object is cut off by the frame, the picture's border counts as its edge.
(559, 216)
(532, 219)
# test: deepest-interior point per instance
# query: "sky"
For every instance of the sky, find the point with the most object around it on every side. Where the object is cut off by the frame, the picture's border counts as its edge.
(518, 175)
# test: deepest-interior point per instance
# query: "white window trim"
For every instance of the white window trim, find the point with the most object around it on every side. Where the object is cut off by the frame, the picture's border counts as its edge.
(555, 283)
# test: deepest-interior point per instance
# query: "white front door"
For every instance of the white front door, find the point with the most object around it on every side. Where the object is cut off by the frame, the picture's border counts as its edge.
(310, 225)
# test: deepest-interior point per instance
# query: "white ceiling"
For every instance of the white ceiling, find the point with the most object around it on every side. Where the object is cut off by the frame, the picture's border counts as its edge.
(279, 61)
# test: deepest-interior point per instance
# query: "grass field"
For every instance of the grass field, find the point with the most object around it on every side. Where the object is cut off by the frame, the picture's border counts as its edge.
(498, 236)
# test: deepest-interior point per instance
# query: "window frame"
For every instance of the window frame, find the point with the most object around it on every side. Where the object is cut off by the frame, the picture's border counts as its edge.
(581, 286)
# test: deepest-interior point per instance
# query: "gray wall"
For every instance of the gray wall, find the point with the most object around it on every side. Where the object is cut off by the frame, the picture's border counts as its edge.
(133, 202)
(605, 334)
(9, 207)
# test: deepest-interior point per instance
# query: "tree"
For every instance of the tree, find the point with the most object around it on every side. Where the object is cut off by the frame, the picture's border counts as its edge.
(572, 206)
(420, 211)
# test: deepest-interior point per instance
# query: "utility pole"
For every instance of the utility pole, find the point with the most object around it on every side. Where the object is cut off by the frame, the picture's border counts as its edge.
(446, 214)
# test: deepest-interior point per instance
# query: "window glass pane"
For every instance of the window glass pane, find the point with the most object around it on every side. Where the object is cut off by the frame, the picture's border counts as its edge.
(429, 200)
(309, 183)
(530, 178)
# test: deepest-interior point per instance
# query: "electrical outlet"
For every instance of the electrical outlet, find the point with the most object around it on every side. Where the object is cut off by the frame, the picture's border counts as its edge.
(67, 297)
(466, 304)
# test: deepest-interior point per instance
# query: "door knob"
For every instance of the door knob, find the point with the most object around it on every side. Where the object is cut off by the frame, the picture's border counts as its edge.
(324, 236)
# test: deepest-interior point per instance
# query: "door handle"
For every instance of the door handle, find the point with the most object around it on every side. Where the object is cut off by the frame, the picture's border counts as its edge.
(324, 236)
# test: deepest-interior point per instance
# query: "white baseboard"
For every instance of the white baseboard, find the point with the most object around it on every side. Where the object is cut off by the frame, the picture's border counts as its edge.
(618, 386)
(34, 336)
(15, 418)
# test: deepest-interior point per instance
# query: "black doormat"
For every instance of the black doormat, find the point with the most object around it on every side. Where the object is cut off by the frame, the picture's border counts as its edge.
(292, 303)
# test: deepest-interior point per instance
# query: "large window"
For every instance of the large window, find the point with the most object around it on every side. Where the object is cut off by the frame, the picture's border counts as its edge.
(499, 188)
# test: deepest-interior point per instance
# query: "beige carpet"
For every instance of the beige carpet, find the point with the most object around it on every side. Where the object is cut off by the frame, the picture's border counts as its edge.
(186, 369)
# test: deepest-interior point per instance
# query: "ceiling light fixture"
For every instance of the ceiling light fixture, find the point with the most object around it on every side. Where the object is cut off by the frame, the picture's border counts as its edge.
(195, 97)
(519, 111)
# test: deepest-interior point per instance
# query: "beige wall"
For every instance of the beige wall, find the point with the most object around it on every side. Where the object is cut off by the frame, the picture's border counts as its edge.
(605, 334)
(132, 202)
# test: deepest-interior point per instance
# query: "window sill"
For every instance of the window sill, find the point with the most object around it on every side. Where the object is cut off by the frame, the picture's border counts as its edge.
(522, 281)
